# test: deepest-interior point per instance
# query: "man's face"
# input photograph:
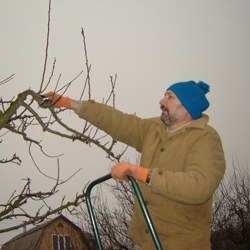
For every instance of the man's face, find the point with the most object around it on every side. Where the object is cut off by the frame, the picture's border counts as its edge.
(172, 110)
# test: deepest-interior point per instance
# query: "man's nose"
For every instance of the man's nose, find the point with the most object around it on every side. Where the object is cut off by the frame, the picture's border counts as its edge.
(162, 101)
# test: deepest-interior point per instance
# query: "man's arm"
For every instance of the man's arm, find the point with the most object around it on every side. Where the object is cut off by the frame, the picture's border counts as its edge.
(122, 127)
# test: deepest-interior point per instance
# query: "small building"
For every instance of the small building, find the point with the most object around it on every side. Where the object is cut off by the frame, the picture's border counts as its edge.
(56, 234)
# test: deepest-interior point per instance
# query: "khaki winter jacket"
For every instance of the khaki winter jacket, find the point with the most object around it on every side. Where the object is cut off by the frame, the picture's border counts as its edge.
(188, 166)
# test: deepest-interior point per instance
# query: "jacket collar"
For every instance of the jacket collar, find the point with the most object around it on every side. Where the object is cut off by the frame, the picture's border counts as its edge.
(198, 123)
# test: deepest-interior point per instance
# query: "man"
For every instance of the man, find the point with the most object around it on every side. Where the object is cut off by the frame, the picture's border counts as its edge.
(182, 163)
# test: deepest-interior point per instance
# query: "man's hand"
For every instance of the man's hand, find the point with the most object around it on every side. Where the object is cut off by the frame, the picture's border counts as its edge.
(58, 101)
(122, 170)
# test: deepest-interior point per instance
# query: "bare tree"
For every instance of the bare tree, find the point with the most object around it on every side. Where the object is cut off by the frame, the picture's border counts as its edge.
(231, 215)
(20, 115)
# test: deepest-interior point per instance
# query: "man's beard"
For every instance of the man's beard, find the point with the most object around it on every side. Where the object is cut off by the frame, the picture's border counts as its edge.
(167, 119)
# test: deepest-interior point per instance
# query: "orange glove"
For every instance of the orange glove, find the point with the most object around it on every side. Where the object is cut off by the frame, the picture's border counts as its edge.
(58, 101)
(121, 170)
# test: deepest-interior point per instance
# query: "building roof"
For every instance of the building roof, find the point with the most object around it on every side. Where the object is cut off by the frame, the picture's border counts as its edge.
(28, 239)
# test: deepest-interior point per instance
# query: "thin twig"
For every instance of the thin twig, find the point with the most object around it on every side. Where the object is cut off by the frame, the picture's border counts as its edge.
(47, 48)
(88, 68)
(9, 78)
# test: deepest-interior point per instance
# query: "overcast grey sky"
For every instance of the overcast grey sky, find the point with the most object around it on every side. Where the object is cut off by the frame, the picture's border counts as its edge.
(149, 45)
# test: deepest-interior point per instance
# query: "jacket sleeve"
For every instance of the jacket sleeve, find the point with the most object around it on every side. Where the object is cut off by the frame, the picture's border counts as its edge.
(204, 169)
(123, 127)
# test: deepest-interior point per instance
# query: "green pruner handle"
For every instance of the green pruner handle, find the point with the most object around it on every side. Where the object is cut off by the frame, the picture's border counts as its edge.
(140, 200)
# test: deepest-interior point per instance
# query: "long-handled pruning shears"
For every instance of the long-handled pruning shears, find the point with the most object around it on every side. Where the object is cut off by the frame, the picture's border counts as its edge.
(140, 200)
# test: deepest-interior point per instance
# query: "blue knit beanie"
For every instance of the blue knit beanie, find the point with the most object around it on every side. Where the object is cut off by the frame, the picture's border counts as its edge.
(192, 96)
